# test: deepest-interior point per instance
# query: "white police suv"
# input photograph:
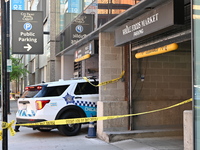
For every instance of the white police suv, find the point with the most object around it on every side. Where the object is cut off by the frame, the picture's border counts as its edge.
(58, 100)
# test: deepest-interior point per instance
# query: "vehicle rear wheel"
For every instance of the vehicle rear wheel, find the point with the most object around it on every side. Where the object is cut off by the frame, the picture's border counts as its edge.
(70, 129)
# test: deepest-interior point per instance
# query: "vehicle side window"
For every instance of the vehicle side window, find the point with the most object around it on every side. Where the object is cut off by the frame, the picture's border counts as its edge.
(55, 91)
(86, 88)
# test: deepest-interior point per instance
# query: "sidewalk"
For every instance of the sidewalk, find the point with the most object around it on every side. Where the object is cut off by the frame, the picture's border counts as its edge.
(163, 143)
(53, 140)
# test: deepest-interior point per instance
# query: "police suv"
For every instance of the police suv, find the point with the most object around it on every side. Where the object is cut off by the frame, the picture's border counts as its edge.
(62, 99)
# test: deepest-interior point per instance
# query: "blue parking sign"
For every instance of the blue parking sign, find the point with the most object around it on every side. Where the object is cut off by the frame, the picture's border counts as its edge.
(27, 26)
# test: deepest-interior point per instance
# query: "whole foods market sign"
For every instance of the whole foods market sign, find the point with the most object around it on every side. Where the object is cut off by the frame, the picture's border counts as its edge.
(160, 18)
(138, 28)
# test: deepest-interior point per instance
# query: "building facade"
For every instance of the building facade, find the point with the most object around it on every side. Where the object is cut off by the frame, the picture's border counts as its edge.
(102, 38)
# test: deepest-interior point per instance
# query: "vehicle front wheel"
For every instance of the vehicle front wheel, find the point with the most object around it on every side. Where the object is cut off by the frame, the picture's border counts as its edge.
(70, 129)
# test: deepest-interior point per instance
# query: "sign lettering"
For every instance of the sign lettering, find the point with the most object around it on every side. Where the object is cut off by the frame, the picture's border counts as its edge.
(27, 37)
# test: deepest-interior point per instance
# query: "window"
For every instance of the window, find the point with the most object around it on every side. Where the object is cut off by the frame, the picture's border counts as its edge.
(86, 88)
(29, 94)
(55, 90)
(33, 91)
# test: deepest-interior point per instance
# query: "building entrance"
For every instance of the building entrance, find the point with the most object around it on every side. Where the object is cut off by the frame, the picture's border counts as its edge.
(160, 81)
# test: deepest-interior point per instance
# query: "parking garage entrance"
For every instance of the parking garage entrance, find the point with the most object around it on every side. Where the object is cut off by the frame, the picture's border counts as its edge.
(160, 81)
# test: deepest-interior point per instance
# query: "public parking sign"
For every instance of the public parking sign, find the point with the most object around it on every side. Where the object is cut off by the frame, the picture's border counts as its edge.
(27, 32)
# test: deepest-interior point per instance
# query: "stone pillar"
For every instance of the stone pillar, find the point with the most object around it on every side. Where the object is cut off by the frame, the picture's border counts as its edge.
(51, 60)
(37, 70)
(111, 96)
(50, 71)
(188, 130)
(67, 67)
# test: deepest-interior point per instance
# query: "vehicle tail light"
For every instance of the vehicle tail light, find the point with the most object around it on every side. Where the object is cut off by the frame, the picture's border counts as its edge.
(33, 88)
(26, 88)
(39, 87)
(41, 103)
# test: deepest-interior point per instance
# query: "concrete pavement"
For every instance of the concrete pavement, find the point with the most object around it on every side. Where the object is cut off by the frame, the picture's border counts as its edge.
(34, 140)
(164, 143)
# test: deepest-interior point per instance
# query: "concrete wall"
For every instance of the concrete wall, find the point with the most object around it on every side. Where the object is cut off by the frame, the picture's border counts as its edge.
(93, 65)
(167, 81)
(112, 97)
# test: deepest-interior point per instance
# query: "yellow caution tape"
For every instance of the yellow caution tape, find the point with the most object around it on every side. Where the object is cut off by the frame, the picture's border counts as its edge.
(8, 126)
(0, 135)
(106, 82)
(83, 120)
(92, 119)
(14, 93)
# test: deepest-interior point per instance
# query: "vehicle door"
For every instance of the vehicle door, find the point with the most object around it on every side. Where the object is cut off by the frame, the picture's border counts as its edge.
(86, 97)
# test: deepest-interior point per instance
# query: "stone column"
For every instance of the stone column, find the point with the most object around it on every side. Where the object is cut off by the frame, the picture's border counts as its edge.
(111, 96)
(37, 70)
(51, 60)
(67, 67)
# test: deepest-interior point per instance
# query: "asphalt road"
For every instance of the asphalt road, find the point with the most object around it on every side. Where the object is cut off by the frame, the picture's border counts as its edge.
(35, 140)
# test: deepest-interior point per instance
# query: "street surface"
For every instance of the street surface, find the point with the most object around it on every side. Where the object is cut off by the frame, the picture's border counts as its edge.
(28, 139)
(36, 140)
